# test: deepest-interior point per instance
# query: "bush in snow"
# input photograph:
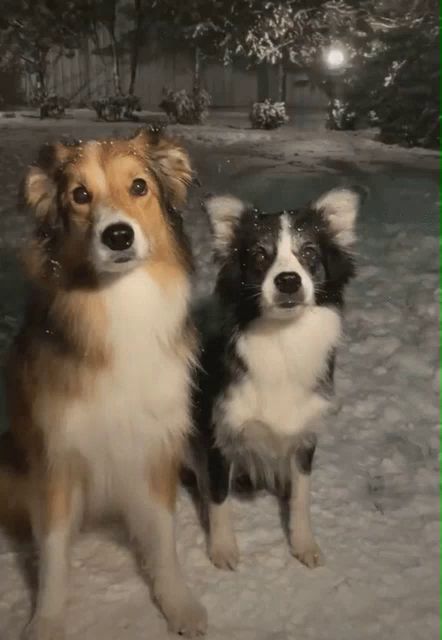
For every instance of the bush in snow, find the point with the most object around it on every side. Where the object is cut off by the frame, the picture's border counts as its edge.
(202, 101)
(340, 115)
(53, 107)
(115, 108)
(186, 108)
(49, 105)
(268, 115)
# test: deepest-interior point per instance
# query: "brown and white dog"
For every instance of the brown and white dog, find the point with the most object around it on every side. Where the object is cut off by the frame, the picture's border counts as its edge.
(99, 378)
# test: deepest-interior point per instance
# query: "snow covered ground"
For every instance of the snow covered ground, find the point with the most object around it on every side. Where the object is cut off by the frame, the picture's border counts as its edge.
(375, 505)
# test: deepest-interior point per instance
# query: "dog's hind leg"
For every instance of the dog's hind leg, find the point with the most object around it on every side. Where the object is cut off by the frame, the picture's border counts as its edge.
(151, 521)
(223, 549)
(302, 541)
(55, 512)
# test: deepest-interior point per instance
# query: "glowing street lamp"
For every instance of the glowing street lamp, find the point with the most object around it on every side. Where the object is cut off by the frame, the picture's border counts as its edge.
(335, 58)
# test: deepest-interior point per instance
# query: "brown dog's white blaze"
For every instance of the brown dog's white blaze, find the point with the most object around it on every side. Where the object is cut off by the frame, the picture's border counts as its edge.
(99, 379)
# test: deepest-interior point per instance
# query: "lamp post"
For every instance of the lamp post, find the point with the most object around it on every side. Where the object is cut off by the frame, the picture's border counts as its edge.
(335, 61)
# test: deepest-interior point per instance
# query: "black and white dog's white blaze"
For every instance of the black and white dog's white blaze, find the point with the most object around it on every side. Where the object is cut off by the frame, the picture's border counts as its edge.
(269, 334)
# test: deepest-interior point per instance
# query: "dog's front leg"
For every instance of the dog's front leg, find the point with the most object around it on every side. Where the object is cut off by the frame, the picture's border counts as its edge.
(302, 541)
(223, 549)
(151, 521)
(55, 511)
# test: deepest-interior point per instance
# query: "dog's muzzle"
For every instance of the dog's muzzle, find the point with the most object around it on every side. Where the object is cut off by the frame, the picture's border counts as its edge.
(289, 289)
(119, 243)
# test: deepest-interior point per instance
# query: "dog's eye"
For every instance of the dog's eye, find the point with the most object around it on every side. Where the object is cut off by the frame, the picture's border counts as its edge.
(81, 195)
(138, 187)
(259, 257)
(311, 257)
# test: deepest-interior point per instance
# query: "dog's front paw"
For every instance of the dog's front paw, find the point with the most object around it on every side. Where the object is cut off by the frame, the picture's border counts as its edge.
(308, 552)
(224, 552)
(184, 614)
(187, 617)
(44, 629)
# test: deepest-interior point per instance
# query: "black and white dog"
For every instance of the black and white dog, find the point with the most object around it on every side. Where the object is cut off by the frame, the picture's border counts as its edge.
(269, 335)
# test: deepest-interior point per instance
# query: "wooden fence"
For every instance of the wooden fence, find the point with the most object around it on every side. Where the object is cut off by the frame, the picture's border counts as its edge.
(88, 75)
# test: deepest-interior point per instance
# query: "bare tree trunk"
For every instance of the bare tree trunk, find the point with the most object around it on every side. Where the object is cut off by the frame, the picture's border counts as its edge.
(96, 40)
(197, 70)
(282, 82)
(111, 28)
(115, 66)
(41, 80)
(42, 87)
(136, 43)
(42, 69)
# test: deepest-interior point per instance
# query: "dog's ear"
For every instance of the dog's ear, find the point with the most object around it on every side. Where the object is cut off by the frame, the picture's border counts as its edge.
(224, 213)
(39, 189)
(340, 208)
(169, 161)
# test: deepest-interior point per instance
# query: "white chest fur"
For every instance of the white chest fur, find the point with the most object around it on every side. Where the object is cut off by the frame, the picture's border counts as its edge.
(140, 402)
(277, 395)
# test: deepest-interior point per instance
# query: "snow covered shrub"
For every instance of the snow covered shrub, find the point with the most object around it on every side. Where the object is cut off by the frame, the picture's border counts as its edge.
(268, 115)
(115, 108)
(53, 106)
(49, 104)
(340, 115)
(373, 118)
(186, 108)
(202, 101)
(176, 104)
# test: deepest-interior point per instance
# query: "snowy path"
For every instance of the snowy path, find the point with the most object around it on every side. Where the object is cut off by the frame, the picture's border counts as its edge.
(375, 486)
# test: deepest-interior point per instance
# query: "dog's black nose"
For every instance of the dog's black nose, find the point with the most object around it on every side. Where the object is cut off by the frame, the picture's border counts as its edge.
(288, 282)
(118, 237)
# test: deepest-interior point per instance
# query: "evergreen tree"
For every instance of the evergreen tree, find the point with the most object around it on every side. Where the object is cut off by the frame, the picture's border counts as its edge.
(393, 77)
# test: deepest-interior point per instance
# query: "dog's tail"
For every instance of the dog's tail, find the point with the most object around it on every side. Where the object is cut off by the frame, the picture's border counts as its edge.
(14, 490)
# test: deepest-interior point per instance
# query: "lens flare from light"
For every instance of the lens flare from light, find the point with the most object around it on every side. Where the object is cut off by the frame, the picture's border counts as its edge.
(335, 58)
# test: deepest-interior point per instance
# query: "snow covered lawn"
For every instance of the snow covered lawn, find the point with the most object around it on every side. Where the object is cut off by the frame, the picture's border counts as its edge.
(375, 503)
